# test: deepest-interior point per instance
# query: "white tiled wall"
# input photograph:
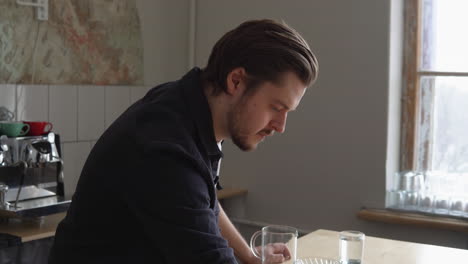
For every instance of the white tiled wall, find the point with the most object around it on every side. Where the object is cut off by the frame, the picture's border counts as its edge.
(116, 100)
(90, 112)
(32, 102)
(7, 97)
(80, 114)
(63, 111)
(74, 157)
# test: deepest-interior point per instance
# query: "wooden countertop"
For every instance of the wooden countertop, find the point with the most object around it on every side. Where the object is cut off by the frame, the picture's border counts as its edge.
(32, 229)
(324, 243)
(45, 226)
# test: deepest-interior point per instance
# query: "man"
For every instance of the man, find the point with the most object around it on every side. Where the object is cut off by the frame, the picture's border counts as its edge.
(147, 193)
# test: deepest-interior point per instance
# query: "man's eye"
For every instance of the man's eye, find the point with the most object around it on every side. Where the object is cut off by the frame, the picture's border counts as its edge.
(277, 109)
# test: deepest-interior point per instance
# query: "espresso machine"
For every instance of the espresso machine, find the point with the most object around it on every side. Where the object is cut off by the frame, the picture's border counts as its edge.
(31, 176)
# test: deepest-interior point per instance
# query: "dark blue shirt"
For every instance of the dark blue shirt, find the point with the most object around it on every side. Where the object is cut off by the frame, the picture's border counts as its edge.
(147, 192)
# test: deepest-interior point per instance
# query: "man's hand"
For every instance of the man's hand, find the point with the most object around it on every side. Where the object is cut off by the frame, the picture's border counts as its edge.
(274, 253)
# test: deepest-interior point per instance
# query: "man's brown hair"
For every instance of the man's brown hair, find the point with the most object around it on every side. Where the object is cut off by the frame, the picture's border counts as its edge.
(266, 50)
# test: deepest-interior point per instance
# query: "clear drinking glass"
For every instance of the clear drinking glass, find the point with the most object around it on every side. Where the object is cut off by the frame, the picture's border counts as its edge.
(412, 200)
(396, 199)
(425, 202)
(457, 205)
(441, 203)
(279, 243)
(351, 246)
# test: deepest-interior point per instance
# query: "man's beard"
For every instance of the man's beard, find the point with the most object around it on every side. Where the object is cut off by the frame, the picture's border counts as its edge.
(239, 138)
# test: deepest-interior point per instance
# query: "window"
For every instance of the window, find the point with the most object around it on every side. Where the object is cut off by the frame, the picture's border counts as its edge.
(434, 160)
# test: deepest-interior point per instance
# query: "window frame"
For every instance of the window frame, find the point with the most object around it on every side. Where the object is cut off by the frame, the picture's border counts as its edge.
(410, 98)
(417, 103)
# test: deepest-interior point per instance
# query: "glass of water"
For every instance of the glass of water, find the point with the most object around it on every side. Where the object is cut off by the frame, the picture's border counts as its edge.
(351, 247)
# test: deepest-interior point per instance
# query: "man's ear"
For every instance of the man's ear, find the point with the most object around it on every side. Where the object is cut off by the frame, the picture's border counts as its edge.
(235, 81)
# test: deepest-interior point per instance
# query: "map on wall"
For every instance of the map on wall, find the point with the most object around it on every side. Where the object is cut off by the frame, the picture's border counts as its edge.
(82, 42)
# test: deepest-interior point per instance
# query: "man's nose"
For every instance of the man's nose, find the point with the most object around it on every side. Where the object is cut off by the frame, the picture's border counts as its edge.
(279, 124)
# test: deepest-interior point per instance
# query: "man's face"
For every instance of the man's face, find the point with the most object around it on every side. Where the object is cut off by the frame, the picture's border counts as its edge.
(259, 114)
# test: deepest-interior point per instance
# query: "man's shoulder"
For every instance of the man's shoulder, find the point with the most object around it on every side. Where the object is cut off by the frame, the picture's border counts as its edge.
(165, 128)
(162, 127)
(170, 115)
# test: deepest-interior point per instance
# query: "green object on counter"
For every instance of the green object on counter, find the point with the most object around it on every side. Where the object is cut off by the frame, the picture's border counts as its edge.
(13, 129)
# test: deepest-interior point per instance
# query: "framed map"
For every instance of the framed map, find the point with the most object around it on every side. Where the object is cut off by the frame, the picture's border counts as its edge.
(83, 42)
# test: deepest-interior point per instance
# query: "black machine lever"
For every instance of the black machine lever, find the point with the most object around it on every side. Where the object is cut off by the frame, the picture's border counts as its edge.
(43, 147)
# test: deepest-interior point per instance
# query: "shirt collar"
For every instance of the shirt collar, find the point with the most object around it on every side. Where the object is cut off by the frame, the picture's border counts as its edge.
(200, 110)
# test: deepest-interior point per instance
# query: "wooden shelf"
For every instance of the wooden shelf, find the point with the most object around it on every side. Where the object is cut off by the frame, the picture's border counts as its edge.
(414, 219)
(230, 192)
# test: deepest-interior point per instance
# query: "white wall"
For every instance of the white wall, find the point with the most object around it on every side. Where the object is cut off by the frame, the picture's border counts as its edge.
(165, 26)
(332, 159)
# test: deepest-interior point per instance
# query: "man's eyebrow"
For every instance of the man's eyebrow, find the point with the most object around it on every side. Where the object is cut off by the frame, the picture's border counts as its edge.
(285, 106)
